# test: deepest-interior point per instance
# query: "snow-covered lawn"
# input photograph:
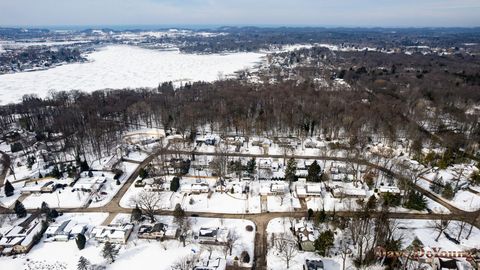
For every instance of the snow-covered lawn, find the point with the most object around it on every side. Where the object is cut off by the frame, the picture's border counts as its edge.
(286, 204)
(117, 67)
(217, 203)
(9, 201)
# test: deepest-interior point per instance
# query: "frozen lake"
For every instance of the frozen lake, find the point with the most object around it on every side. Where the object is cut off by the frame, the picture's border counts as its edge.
(117, 67)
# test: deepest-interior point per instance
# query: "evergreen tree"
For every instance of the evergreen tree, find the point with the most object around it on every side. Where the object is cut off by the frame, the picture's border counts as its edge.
(251, 164)
(324, 242)
(136, 214)
(84, 166)
(178, 212)
(109, 252)
(321, 217)
(309, 213)
(80, 240)
(9, 189)
(56, 172)
(20, 209)
(371, 203)
(314, 172)
(437, 185)
(448, 192)
(143, 173)
(83, 264)
(416, 201)
(290, 170)
(175, 184)
(391, 200)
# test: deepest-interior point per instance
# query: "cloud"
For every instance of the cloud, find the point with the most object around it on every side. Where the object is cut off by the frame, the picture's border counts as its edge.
(244, 12)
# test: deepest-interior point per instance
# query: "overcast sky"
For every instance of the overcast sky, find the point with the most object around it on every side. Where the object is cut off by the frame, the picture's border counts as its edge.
(417, 13)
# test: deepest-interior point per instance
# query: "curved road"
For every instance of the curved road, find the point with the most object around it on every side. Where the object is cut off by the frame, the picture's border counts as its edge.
(261, 219)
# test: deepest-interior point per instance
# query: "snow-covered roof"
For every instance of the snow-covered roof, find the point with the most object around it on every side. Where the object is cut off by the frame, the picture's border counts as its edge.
(314, 188)
(391, 189)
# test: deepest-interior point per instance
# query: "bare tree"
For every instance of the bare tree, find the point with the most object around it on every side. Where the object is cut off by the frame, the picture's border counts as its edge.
(440, 225)
(287, 248)
(149, 202)
(219, 164)
(232, 238)
(345, 251)
(185, 263)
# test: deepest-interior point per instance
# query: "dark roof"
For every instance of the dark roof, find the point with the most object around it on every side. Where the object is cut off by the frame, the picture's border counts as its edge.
(450, 264)
(314, 264)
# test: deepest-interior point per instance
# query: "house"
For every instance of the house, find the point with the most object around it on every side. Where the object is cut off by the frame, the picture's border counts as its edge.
(273, 189)
(211, 264)
(48, 187)
(158, 231)
(265, 163)
(89, 184)
(64, 231)
(20, 239)
(389, 189)
(313, 265)
(39, 186)
(306, 234)
(115, 233)
(342, 192)
(200, 186)
(309, 190)
(213, 235)
(208, 140)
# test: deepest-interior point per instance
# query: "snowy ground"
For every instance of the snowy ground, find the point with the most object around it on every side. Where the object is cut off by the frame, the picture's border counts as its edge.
(274, 260)
(463, 199)
(217, 203)
(124, 67)
(141, 254)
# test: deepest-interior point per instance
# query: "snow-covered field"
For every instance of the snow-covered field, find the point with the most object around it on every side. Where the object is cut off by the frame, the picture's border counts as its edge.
(124, 67)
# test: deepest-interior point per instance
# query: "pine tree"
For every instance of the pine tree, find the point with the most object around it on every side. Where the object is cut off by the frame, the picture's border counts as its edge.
(56, 172)
(83, 263)
(437, 185)
(448, 192)
(314, 172)
(324, 242)
(9, 189)
(251, 164)
(20, 209)
(110, 252)
(80, 240)
(416, 201)
(175, 184)
(136, 214)
(290, 170)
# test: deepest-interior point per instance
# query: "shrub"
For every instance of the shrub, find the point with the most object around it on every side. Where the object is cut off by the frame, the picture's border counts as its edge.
(80, 240)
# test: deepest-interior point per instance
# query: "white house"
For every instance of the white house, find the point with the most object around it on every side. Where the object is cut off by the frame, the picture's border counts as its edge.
(114, 233)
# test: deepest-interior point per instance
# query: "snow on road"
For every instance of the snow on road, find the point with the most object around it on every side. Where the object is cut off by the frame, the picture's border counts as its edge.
(124, 67)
